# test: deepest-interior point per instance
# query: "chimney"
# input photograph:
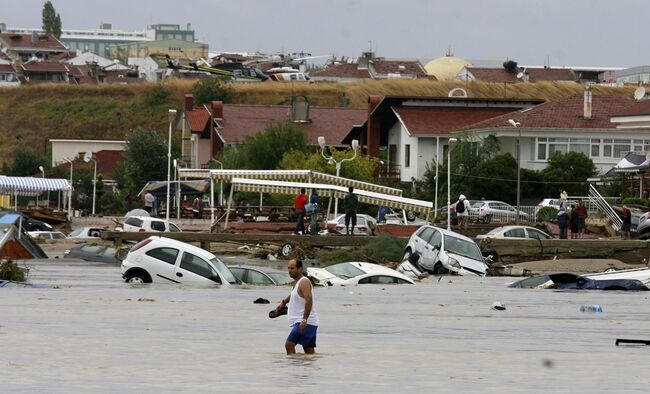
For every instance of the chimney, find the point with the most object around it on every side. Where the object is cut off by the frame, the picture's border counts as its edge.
(189, 102)
(372, 128)
(587, 102)
(217, 109)
(299, 109)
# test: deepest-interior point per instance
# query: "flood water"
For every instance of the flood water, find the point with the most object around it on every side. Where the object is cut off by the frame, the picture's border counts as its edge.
(93, 333)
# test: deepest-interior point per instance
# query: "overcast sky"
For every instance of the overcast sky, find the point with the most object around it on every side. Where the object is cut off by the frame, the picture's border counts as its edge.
(532, 32)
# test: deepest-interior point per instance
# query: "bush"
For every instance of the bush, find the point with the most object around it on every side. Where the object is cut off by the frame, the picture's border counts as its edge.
(547, 214)
(210, 89)
(10, 271)
(636, 201)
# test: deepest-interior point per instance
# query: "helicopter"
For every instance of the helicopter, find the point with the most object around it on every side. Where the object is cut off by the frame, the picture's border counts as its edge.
(233, 71)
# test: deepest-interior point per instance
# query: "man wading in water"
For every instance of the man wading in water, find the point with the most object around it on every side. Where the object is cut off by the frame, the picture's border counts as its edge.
(301, 312)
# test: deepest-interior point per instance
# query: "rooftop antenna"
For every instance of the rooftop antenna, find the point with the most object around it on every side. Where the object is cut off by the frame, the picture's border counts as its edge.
(370, 43)
(449, 51)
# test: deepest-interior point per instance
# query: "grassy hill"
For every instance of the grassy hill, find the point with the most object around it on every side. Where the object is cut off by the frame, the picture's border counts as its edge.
(30, 115)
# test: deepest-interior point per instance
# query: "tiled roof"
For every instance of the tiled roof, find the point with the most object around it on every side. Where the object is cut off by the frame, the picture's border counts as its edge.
(496, 75)
(240, 121)
(44, 67)
(7, 68)
(198, 119)
(345, 70)
(16, 41)
(107, 160)
(636, 109)
(410, 67)
(565, 113)
(550, 74)
(444, 120)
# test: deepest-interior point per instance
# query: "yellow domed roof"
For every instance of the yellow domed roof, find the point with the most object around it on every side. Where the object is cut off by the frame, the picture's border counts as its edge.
(446, 68)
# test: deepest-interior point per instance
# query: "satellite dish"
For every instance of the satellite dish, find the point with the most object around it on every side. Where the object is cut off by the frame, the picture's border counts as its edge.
(88, 157)
(639, 93)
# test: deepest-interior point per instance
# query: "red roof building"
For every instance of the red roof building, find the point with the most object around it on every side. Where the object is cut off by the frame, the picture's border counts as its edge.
(23, 47)
(370, 67)
(501, 75)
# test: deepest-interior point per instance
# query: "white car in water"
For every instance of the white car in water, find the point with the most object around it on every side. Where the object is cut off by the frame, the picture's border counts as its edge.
(163, 260)
(354, 273)
(441, 251)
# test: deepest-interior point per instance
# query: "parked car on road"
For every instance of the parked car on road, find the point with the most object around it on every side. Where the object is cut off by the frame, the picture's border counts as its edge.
(494, 211)
(46, 234)
(366, 225)
(510, 232)
(442, 251)
(86, 232)
(356, 273)
(555, 203)
(260, 275)
(93, 252)
(149, 224)
(29, 224)
(163, 260)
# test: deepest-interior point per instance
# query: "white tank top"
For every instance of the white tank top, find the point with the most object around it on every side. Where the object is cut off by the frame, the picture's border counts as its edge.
(296, 308)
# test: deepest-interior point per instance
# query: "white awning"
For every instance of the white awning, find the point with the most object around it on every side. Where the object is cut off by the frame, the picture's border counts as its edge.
(29, 186)
(327, 190)
(307, 176)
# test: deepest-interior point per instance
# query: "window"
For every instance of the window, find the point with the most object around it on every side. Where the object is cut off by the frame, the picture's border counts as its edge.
(168, 255)
(157, 225)
(426, 234)
(238, 272)
(257, 278)
(436, 240)
(133, 221)
(380, 279)
(173, 228)
(536, 234)
(515, 233)
(407, 155)
(197, 265)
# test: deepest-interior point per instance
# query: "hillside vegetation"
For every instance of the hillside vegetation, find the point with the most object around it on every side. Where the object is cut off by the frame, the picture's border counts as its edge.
(30, 115)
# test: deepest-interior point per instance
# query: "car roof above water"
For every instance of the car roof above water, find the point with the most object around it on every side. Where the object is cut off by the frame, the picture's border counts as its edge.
(183, 245)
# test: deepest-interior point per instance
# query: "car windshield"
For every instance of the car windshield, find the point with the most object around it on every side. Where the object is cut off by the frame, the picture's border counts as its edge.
(344, 270)
(494, 231)
(463, 248)
(223, 270)
(280, 278)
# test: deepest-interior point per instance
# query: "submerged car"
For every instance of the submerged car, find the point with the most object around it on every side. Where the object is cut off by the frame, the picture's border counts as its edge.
(443, 251)
(260, 275)
(515, 232)
(356, 273)
(93, 252)
(86, 232)
(149, 224)
(163, 260)
(29, 224)
(578, 282)
(46, 234)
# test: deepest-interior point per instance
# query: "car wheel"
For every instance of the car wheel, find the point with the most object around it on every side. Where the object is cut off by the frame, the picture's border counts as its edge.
(410, 216)
(286, 249)
(439, 269)
(407, 254)
(137, 277)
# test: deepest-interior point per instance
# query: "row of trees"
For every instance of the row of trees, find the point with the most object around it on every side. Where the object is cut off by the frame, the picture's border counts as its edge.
(479, 170)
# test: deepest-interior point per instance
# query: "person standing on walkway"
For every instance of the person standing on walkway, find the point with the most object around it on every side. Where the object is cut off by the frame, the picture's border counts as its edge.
(301, 312)
(299, 206)
(581, 210)
(148, 202)
(564, 197)
(314, 204)
(351, 205)
(574, 222)
(562, 222)
(462, 213)
(627, 222)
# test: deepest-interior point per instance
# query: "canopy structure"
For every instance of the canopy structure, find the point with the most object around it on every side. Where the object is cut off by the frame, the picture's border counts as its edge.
(305, 176)
(326, 190)
(159, 188)
(29, 186)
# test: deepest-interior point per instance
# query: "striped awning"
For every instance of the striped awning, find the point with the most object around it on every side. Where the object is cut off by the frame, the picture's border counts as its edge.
(29, 186)
(306, 176)
(327, 190)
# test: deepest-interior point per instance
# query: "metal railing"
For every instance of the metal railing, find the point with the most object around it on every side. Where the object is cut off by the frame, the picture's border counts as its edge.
(603, 206)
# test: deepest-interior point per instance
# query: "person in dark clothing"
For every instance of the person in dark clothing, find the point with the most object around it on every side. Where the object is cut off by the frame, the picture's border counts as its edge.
(351, 204)
(574, 222)
(563, 223)
(627, 222)
(299, 206)
(315, 207)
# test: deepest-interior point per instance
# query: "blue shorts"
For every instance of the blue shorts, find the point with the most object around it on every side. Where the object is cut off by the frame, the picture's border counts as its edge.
(306, 338)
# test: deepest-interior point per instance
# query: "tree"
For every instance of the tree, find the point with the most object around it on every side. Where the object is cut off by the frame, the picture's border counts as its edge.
(362, 168)
(211, 88)
(145, 158)
(265, 150)
(26, 163)
(51, 20)
(568, 171)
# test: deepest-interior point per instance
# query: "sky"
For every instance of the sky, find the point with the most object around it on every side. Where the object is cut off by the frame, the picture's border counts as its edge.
(532, 32)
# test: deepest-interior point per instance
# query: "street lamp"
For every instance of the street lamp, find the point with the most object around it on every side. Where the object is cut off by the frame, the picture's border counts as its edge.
(87, 158)
(331, 160)
(48, 192)
(70, 192)
(452, 141)
(516, 125)
(220, 183)
(172, 115)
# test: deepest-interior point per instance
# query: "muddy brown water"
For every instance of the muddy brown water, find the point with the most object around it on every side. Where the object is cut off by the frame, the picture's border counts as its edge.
(94, 333)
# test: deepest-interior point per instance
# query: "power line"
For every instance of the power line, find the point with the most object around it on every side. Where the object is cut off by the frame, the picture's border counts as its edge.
(514, 180)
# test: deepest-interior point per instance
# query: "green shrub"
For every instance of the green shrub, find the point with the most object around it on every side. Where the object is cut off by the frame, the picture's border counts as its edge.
(10, 271)
(382, 249)
(547, 214)
(636, 201)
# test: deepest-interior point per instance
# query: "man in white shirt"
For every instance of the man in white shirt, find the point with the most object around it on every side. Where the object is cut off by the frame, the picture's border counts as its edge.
(462, 212)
